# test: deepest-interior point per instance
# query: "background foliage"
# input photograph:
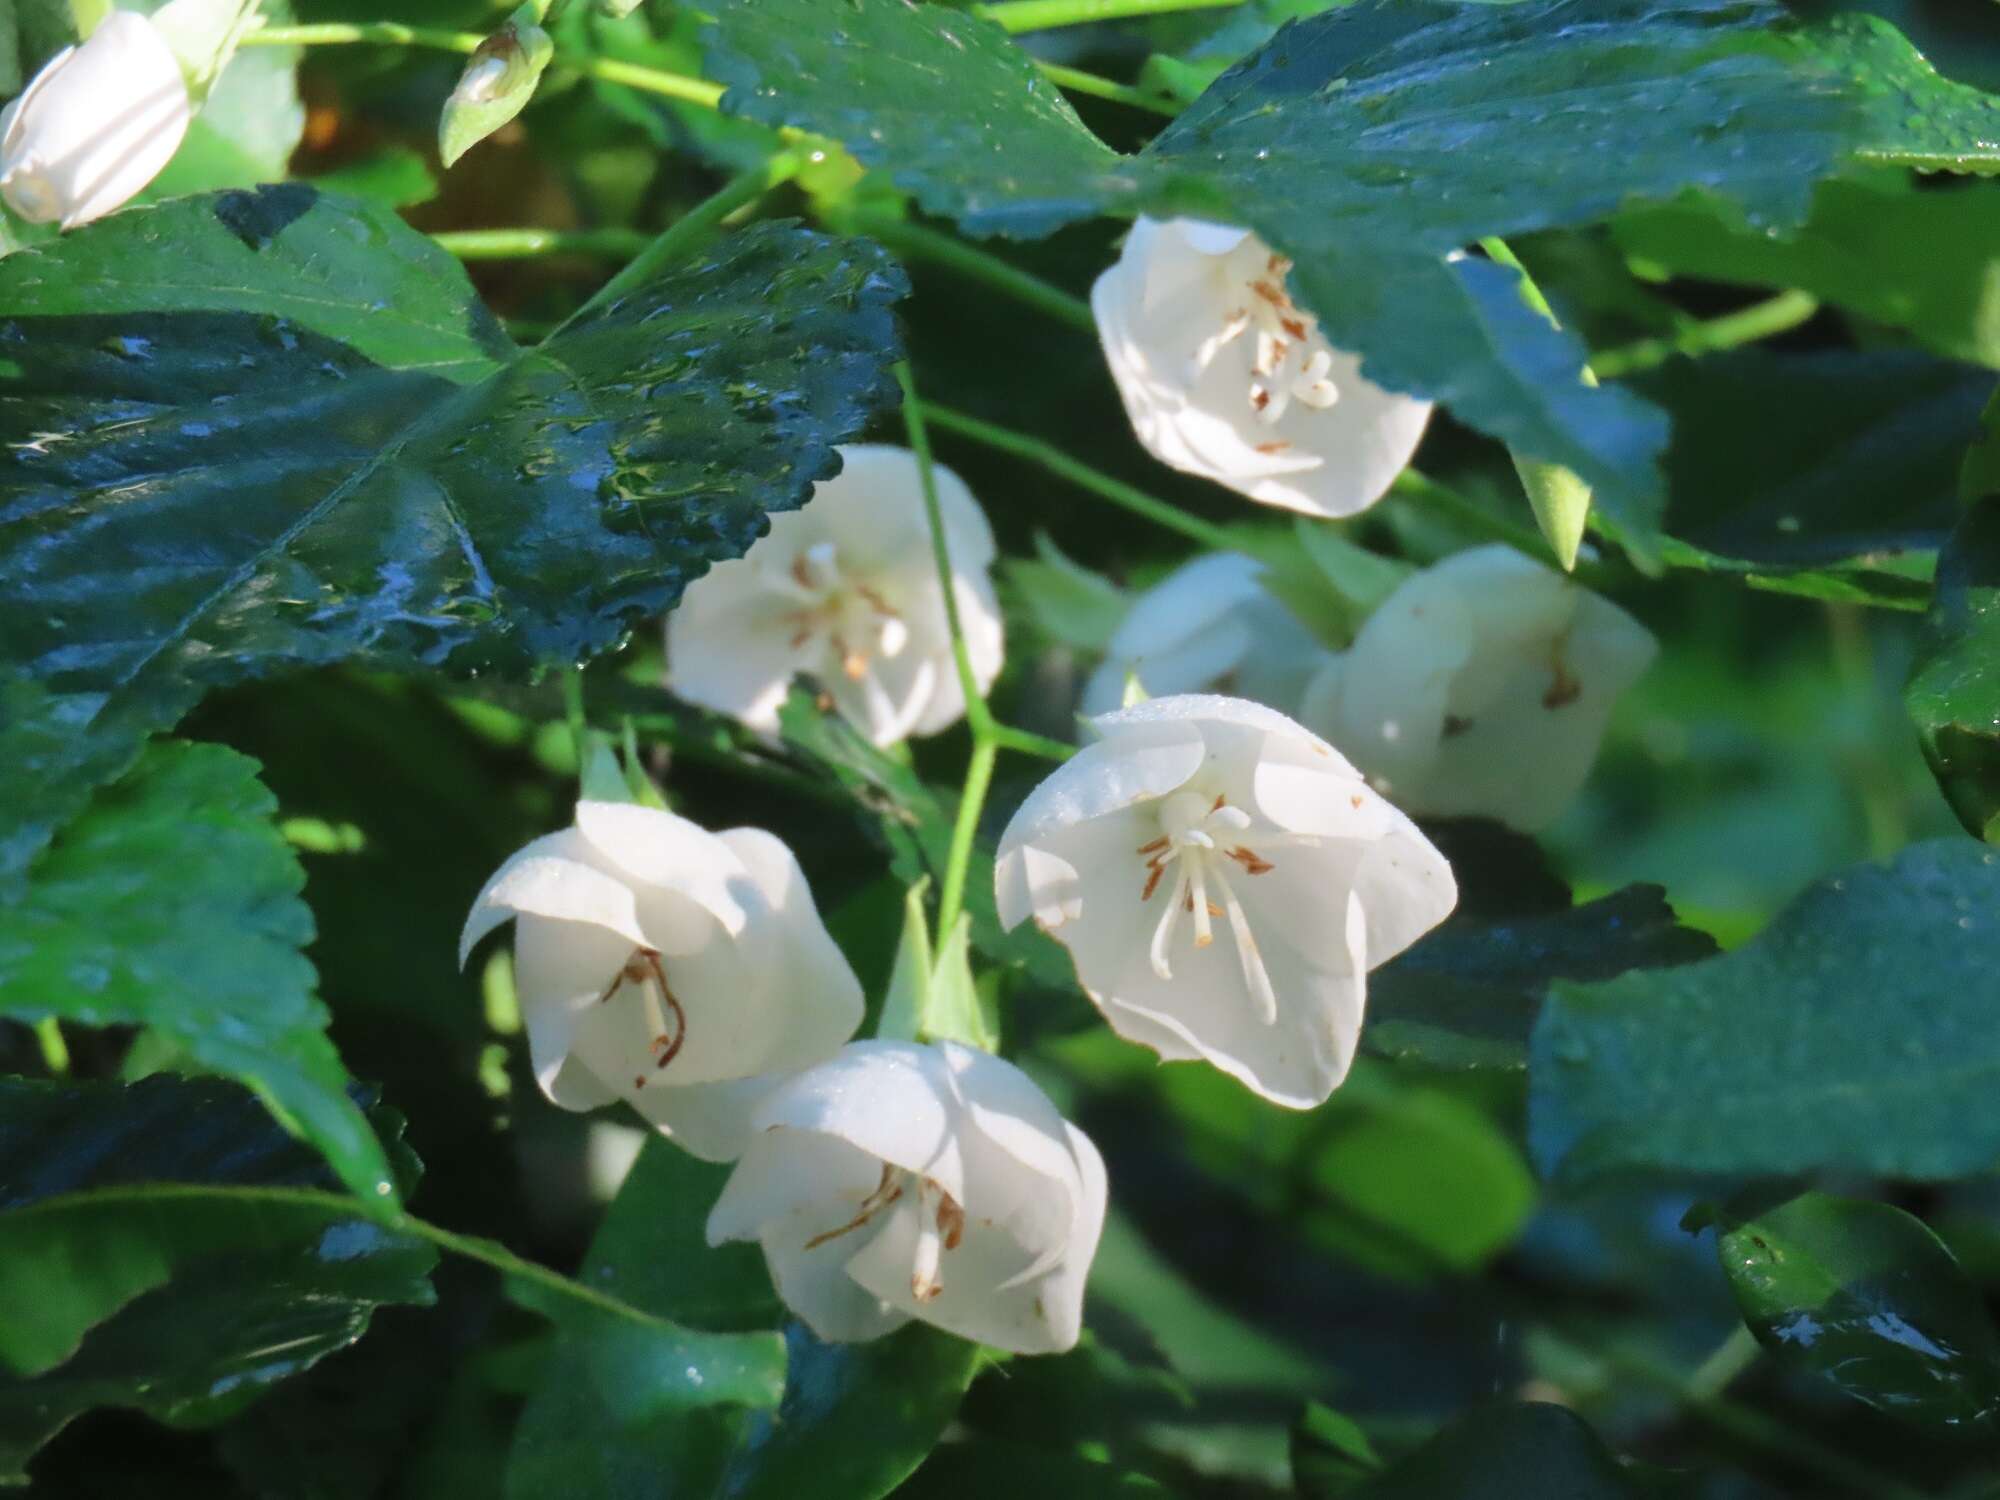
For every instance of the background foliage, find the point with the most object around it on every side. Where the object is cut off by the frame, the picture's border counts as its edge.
(1682, 1123)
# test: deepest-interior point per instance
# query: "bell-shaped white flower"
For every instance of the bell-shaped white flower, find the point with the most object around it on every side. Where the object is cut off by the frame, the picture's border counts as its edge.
(99, 122)
(1481, 687)
(1224, 881)
(1224, 376)
(1209, 626)
(683, 971)
(901, 1181)
(846, 589)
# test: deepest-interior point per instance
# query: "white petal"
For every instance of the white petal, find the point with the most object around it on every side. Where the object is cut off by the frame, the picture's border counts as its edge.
(729, 646)
(896, 1101)
(708, 1120)
(1209, 239)
(653, 847)
(551, 878)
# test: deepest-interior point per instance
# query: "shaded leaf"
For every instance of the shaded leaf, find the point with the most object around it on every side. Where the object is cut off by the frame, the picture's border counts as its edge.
(988, 1470)
(1865, 1296)
(1785, 1055)
(173, 903)
(1330, 1454)
(1527, 1452)
(1954, 694)
(166, 1249)
(278, 429)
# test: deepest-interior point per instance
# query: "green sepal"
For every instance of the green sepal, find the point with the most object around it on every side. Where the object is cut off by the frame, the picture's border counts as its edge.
(1561, 502)
(496, 85)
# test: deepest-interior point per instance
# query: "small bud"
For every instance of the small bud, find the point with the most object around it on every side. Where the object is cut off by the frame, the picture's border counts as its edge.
(496, 85)
(95, 126)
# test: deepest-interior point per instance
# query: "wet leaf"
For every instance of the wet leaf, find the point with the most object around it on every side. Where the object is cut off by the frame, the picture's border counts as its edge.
(1865, 1296)
(276, 429)
(1954, 695)
(164, 1246)
(1782, 1055)
(173, 903)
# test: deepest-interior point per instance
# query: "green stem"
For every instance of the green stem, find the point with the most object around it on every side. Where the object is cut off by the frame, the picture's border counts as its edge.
(1007, 737)
(55, 1051)
(1764, 320)
(915, 242)
(394, 34)
(965, 832)
(693, 227)
(1079, 82)
(573, 712)
(518, 244)
(1730, 1358)
(1053, 459)
(1041, 15)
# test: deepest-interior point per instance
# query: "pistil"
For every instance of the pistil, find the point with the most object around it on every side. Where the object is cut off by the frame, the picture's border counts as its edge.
(1190, 846)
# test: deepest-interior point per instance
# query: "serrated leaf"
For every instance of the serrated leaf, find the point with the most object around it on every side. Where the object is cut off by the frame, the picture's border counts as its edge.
(173, 903)
(163, 1246)
(1783, 1055)
(277, 428)
(1864, 1296)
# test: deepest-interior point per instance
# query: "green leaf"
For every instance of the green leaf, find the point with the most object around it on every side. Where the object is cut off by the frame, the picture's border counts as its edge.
(162, 1247)
(989, 1470)
(173, 903)
(395, 177)
(1787, 1055)
(1865, 1296)
(944, 102)
(617, 1409)
(1330, 1454)
(1954, 695)
(1531, 1451)
(248, 127)
(1467, 995)
(291, 435)
(1072, 605)
(1923, 261)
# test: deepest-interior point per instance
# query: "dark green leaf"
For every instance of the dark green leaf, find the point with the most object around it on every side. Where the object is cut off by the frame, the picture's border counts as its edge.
(944, 102)
(1856, 1032)
(1330, 1454)
(163, 1246)
(1954, 695)
(1920, 261)
(1864, 1295)
(988, 1470)
(277, 428)
(173, 903)
(623, 1402)
(1527, 1452)
(1467, 995)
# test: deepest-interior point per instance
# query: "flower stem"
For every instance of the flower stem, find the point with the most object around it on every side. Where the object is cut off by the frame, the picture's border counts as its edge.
(1763, 320)
(693, 227)
(1041, 15)
(55, 1051)
(1047, 456)
(1079, 82)
(519, 244)
(916, 242)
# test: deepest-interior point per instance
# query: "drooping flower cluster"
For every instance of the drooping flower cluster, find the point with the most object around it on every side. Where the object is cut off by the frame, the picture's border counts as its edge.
(1224, 880)
(1481, 686)
(846, 590)
(1225, 377)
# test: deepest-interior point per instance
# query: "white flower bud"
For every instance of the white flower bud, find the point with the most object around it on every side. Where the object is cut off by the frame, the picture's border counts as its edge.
(847, 590)
(901, 1181)
(1481, 687)
(1224, 376)
(683, 971)
(1209, 626)
(1224, 881)
(497, 85)
(97, 124)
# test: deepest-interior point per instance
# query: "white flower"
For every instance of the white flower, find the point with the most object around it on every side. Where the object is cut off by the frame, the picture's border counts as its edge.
(846, 589)
(95, 126)
(901, 1181)
(1481, 686)
(1224, 881)
(667, 966)
(1225, 377)
(1209, 625)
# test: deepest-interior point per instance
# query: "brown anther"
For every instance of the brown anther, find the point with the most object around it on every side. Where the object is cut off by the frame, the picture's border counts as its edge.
(801, 573)
(1271, 294)
(639, 1082)
(853, 663)
(1294, 327)
(1356, 800)
(876, 602)
(887, 1191)
(1153, 848)
(1275, 447)
(1252, 862)
(1454, 726)
(950, 1220)
(1260, 399)
(1187, 901)
(803, 634)
(1214, 910)
(1152, 881)
(1221, 801)
(1564, 691)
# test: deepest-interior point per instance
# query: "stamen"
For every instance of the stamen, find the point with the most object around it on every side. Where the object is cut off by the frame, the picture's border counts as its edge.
(1204, 935)
(1152, 881)
(1254, 973)
(1156, 846)
(1252, 862)
(887, 1191)
(924, 1283)
(1565, 690)
(644, 965)
(1163, 933)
